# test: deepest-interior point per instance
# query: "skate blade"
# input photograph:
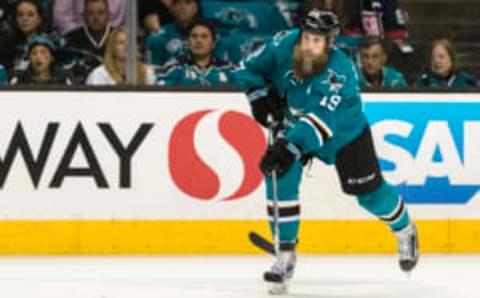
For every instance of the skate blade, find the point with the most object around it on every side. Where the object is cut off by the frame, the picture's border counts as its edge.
(277, 288)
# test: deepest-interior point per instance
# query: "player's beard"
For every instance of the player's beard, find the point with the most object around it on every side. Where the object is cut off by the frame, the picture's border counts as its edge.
(306, 66)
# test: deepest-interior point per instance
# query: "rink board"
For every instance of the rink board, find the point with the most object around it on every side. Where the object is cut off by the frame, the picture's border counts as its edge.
(223, 237)
(176, 173)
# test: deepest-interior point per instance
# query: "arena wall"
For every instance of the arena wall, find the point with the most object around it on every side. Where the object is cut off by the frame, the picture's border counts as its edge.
(176, 173)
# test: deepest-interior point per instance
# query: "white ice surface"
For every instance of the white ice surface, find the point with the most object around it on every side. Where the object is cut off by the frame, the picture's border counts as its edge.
(219, 276)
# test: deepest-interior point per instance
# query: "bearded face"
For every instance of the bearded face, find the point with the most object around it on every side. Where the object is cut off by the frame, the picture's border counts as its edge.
(310, 55)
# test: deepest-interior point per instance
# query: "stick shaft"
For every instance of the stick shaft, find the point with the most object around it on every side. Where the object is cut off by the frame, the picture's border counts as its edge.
(276, 225)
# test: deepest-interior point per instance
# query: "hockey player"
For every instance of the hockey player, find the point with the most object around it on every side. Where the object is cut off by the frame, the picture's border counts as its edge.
(319, 107)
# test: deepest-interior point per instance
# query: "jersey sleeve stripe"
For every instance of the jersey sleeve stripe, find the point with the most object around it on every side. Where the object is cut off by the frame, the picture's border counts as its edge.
(315, 130)
(319, 125)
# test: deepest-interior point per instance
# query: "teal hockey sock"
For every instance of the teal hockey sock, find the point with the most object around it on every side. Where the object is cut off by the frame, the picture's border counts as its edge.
(289, 220)
(387, 205)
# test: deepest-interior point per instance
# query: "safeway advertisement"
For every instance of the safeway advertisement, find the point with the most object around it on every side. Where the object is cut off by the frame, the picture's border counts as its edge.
(154, 155)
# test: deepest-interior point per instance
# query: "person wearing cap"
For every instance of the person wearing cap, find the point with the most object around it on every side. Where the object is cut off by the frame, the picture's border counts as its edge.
(41, 69)
(373, 71)
(199, 66)
(306, 92)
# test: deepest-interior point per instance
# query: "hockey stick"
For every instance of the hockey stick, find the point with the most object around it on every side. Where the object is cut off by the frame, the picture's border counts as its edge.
(276, 211)
(262, 243)
(255, 238)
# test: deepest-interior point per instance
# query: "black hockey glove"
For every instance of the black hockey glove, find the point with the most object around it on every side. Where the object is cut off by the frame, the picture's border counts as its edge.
(266, 102)
(279, 157)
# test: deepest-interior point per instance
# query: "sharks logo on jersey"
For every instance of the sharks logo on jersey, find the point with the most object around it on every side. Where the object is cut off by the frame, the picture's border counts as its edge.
(176, 45)
(234, 17)
(251, 46)
(334, 81)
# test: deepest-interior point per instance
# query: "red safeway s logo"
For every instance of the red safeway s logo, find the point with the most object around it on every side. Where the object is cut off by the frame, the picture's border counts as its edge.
(189, 169)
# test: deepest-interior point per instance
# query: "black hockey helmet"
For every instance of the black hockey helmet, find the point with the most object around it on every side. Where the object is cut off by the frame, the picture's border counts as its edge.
(321, 22)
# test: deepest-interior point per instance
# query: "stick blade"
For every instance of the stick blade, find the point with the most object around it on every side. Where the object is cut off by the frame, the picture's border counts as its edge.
(262, 243)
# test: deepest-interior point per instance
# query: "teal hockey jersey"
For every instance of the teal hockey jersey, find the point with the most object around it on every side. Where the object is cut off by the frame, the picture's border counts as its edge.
(240, 46)
(460, 79)
(3, 76)
(325, 111)
(233, 17)
(183, 71)
(165, 45)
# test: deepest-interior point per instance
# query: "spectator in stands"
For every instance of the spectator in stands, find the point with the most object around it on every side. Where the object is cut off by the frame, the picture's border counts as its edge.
(7, 18)
(153, 14)
(113, 71)
(150, 23)
(373, 70)
(380, 18)
(170, 41)
(69, 14)
(85, 46)
(28, 23)
(41, 69)
(92, 36)
(198, 66)
(7, 14)
(442, 69)
(3, 76)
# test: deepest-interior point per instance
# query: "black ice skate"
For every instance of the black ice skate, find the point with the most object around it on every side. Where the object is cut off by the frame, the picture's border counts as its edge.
(408, 247)
(281, 271)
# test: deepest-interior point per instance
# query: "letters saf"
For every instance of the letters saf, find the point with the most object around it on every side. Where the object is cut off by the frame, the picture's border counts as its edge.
(430, 151)
(35, 162)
